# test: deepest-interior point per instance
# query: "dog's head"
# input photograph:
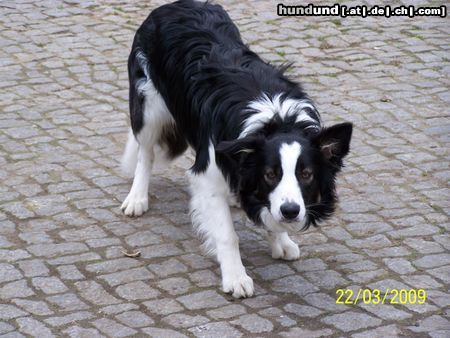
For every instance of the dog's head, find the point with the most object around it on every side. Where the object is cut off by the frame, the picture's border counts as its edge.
(290, 176)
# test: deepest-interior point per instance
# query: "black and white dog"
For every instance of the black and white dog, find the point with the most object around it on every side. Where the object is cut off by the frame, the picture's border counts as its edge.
(255, 133)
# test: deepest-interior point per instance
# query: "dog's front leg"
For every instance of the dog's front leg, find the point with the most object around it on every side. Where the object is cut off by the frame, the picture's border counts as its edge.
(282, 246)
(211, 216)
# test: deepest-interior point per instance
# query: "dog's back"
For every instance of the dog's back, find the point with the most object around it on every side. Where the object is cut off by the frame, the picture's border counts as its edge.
(195, 59)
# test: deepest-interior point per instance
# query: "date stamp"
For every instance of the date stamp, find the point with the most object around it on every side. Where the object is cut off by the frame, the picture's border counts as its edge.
(376, 296)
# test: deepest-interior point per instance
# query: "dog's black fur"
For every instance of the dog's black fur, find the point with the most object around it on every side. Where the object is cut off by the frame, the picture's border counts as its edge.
(207, 76)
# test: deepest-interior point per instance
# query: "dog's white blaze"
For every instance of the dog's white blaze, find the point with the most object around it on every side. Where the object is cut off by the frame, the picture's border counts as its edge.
(267, 108)
(288, 190)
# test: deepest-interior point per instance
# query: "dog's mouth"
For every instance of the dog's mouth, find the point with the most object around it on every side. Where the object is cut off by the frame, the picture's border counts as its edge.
(292, 225)
(289, 221)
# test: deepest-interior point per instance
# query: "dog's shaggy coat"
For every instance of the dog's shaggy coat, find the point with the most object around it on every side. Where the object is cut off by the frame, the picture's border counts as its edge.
(255, 133)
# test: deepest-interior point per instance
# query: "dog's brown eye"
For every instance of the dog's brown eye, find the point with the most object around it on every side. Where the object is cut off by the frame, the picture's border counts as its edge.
(270, 175)
(306, 174)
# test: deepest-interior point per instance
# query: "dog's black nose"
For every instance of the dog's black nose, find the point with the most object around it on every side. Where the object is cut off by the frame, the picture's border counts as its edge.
(290, 210)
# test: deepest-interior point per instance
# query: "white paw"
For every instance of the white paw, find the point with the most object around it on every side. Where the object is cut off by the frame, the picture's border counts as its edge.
(240, 286)
(283, 247)
(134, 205)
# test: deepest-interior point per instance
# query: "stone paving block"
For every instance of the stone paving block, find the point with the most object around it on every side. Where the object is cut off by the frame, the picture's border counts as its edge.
(310, 265)
(350, 321)
(39, 308)
(70, 272)
(274, 271)
(326, 279)
(204, 278)
(294, 284)
(432, 323)
(136, 290)
(49, 285)
(64, 121)
(324, 302)
(163, 333)
(95, 293)
(399, 265)
(211, 330)
(134, 319)
(386, 331)
(33, 327)
(203, 299)
(13, 255)
(70, 318)
(10, 311)
(163, 250)
(112, 328)
(9, 273)
(168, 267)
(175, 285)
(5, 328)
(163, 306)
(302, 310)
(51, 250)
(16, 289)
(228, 311)
(297, 332)
(77, 331)
(130, 275)
(443, 273)
(68, 302)
(253, 323)
(142, 238)
(71, 259)
(183, 320)
(432, 261)
(277, 315)
(113, 265)
(386, 311)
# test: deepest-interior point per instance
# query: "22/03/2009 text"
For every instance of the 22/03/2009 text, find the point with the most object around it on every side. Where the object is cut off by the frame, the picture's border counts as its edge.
(376, 296)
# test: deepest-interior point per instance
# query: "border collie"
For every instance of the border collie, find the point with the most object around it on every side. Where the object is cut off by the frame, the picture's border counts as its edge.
(256, 134)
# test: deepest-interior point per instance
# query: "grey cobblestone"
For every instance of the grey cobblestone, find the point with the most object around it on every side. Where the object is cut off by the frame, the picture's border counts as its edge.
(136, 290)
(9, 273)
(134, 319)
(350, 321)
(253, 323)
(63, 125)
(95, 293)
(112, 328)
(49, 285)
(15, 289)
(33, 327)
(163, 306)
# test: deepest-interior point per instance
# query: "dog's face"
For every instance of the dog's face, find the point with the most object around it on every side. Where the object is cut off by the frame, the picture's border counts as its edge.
(291, 176)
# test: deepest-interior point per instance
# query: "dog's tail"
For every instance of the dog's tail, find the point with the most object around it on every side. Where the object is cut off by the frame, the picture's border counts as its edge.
(129, 158)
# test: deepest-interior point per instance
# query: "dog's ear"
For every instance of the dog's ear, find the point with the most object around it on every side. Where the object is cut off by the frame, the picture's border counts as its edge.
(235, 148)
(334, 142)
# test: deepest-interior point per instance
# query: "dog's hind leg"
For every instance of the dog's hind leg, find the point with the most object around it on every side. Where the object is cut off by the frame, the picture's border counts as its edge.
(212, 218)
(136, 203)
(149, 117)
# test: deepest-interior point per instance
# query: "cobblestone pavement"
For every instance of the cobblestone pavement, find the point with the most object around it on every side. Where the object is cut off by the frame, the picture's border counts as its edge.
(63, 102)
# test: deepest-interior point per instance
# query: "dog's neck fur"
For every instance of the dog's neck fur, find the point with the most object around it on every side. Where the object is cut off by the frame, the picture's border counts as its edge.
(280, 114)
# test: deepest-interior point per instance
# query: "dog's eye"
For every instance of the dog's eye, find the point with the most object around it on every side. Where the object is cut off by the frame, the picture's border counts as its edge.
(270, 175)
(306, 174)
